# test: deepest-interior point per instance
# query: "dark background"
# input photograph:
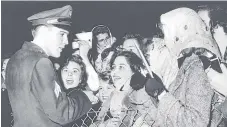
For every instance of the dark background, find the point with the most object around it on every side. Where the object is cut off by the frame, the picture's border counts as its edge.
(121, 17)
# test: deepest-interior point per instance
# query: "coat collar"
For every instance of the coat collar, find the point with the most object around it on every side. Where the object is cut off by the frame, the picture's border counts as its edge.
(33, 47)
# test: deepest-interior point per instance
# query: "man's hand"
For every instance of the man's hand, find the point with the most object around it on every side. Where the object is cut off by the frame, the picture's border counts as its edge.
(218, 81)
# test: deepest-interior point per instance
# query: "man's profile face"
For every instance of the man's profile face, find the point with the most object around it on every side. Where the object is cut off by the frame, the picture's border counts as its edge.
(57, 38)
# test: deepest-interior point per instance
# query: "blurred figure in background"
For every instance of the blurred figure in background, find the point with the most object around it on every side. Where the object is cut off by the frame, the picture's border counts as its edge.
(101, 40)
(106, 84)
(129, 40)
(161, 61)
(215, 19)
(6, 110)
(3, 72)
(218, 25)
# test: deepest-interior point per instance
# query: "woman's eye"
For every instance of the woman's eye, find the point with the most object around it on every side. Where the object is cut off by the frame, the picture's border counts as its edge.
(74, 71)
(65, 70)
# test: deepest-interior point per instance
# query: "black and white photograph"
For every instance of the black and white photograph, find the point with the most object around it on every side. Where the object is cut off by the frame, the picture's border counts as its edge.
(114, 63)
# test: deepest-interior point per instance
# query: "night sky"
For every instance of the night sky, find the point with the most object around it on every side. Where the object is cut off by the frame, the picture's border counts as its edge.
(120, 17)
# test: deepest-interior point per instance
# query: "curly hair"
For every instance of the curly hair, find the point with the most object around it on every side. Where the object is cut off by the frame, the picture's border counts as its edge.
(77, 59)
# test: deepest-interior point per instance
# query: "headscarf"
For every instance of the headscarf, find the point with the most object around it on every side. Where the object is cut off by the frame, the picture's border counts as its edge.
(183, 28)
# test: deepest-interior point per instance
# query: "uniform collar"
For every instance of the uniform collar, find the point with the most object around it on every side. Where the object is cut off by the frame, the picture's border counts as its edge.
(33, 47)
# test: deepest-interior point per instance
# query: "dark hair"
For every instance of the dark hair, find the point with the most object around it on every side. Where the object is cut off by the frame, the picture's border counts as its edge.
(106, 75)
(217, 15)
(77, 59)
(135, 64)
(133, 60)
(148, 41)
(225, 55)
(107, 51)
(137, 37)
(100, 29)
(93, 53)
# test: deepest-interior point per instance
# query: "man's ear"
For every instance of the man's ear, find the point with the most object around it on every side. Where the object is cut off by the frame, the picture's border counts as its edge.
(33, 32)
(42, 28)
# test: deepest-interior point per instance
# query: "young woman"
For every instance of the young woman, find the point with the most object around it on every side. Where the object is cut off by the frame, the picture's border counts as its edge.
(129, 93)
(74, 78)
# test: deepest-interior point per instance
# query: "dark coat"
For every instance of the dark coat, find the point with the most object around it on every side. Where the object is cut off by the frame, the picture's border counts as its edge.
(74, 92)
(34, 93)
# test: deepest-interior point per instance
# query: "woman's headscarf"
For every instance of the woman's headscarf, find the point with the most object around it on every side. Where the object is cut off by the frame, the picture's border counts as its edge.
(183, 28)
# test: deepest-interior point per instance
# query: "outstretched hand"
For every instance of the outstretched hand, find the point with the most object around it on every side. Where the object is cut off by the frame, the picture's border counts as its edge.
(218, 81)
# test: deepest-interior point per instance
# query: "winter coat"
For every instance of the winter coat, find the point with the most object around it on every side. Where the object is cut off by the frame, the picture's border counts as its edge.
(188, 102)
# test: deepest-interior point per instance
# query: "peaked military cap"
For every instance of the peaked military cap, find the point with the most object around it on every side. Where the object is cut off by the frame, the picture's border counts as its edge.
(58, 16)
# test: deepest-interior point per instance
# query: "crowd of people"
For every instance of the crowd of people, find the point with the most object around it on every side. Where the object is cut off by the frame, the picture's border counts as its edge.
(176, 78)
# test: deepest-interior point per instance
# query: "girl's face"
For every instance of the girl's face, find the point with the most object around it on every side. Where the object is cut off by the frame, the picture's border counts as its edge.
(4, 64)
(71, 75)
(121, 72)
(105, 91)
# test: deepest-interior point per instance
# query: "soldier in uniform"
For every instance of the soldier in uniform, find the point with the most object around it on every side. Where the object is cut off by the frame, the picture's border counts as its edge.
(33, 86)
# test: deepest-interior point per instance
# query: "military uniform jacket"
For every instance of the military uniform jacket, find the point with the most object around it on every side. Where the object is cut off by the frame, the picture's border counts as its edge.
(34, 92)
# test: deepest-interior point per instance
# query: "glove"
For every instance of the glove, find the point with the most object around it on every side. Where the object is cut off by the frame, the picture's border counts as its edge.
(137, 81)
(153, 87)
